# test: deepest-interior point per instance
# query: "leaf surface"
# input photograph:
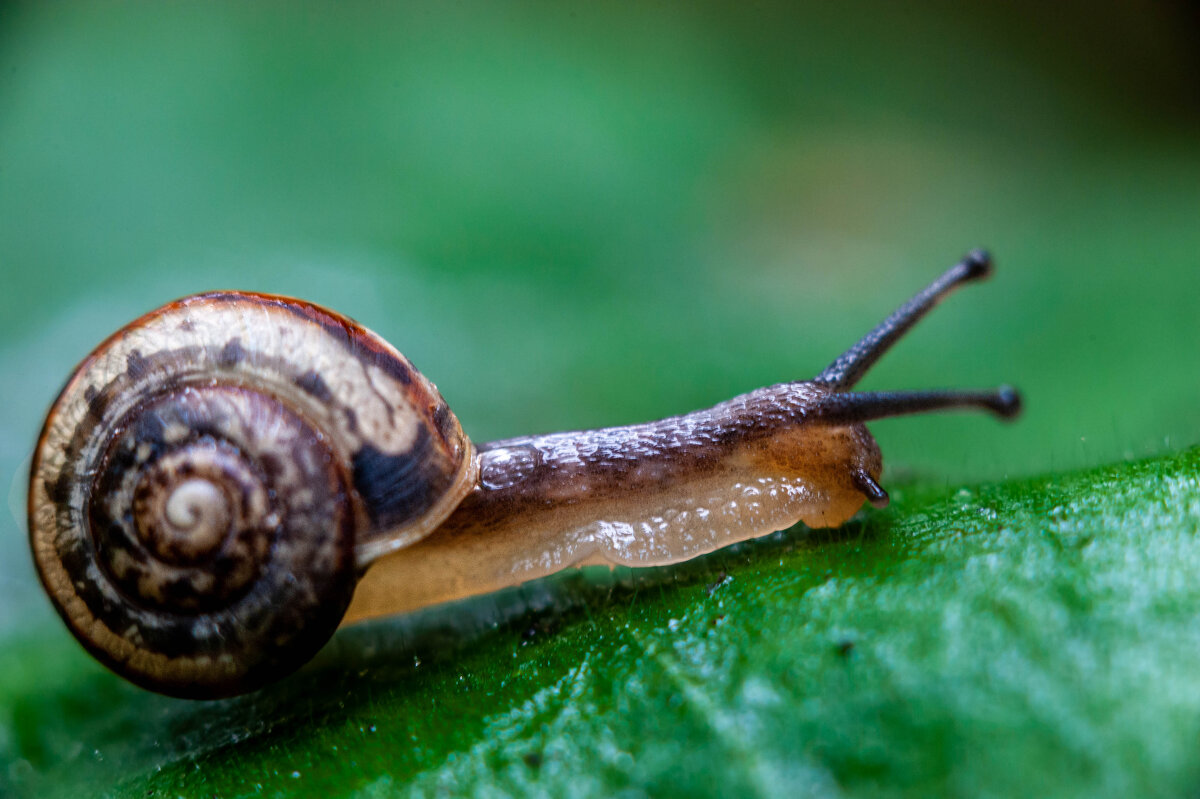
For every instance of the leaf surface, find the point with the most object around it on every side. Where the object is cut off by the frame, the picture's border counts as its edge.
(1037, 637)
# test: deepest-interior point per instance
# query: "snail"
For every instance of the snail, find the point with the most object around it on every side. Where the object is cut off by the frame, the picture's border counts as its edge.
(226, 480)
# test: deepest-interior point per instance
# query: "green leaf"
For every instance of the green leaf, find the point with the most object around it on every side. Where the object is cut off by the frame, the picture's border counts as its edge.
(592, 214)
(1037, 637)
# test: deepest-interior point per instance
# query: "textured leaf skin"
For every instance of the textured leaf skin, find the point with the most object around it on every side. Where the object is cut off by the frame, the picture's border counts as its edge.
(1035, 637)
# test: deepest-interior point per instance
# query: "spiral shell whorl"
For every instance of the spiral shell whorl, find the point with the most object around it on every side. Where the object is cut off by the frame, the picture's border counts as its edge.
(208, 480)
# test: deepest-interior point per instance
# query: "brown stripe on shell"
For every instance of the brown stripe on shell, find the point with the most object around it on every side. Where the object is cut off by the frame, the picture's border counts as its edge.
(351, 334)
(363, 345)
(398, 489)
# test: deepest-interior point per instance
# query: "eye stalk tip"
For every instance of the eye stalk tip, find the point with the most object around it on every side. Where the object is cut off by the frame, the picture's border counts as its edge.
(1007, 402)
(977, 264)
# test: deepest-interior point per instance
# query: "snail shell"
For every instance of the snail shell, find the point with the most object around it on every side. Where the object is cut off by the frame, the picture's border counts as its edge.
(212, 477)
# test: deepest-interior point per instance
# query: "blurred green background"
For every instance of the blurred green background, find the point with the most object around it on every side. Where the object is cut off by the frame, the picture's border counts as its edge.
(577, 215)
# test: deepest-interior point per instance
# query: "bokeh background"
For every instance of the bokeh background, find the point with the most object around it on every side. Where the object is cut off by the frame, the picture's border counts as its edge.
(576, 215)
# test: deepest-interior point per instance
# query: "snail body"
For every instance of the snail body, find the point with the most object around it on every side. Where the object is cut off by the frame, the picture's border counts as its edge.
(227, 479)
(642, 495)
